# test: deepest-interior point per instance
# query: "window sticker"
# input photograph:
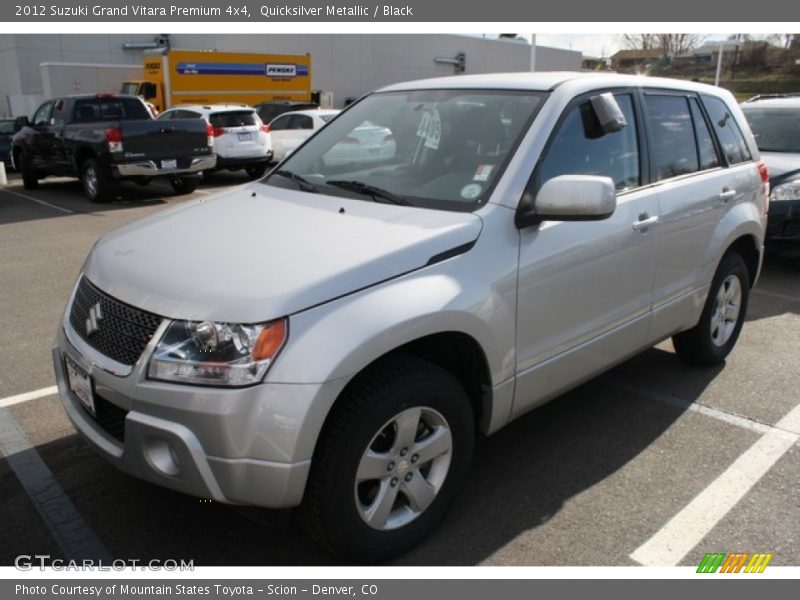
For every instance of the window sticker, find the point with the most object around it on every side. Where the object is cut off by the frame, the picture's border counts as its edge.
(430, 128)
(483, 172)
(470, 191)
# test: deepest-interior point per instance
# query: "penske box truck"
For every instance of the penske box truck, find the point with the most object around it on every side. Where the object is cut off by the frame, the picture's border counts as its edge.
(174, 77)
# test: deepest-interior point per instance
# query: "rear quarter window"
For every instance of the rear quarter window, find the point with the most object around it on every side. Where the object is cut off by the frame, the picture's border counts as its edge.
(728, 133)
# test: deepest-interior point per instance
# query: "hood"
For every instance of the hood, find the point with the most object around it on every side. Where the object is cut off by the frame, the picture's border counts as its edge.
(262, 252)
(781, 164)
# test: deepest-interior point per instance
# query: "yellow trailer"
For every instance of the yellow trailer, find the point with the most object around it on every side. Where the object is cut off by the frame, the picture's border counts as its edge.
(174, 77)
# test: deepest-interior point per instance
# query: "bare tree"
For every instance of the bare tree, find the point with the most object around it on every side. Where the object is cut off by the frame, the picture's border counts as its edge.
(640, 41)
(676, 44)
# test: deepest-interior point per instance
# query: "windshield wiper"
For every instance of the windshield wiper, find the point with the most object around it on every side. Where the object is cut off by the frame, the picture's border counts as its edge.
(360, 187)
(303, 183)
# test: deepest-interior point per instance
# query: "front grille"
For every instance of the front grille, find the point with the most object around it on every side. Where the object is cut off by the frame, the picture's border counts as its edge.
(122, 330)
(110, 417)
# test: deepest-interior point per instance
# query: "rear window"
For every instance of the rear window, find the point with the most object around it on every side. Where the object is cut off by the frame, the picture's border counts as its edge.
(673, 142)
(108, 109)
(730, 136)
(775, 129)
(239, 118)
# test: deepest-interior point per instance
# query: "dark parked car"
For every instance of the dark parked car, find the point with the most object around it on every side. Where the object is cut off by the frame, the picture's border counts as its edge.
(8, 127)
(269, 110)
(106, 138)
(775, 121)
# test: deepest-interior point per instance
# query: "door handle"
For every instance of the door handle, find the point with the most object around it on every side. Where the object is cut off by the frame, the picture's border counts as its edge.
(727, 194)
(644, 222)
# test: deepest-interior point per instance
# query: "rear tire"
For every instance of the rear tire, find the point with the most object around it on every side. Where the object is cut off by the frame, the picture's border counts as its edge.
(389, 461)
(184, 185)
(714, 336)
(256, 171)
(97, 185)
(29, 179)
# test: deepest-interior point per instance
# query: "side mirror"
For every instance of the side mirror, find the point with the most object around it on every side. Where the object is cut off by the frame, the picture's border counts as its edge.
(608, 112)
(21, 122)
(570, 198)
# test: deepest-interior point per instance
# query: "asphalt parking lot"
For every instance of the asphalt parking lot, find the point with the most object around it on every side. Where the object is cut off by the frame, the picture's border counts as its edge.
(652, 463)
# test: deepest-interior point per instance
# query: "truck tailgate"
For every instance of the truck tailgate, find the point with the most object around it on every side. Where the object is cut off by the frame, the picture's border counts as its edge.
(177, 139)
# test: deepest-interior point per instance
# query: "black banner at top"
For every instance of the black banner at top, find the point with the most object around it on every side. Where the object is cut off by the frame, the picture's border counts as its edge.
(255, 11)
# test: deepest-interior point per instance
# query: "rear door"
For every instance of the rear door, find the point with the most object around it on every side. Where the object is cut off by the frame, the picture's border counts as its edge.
(584, 291)
(697, 184)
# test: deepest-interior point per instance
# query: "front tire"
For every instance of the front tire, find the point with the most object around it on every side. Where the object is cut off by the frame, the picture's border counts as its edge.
(29, 179)
(97, 186)
(714, 336)
(389, 461)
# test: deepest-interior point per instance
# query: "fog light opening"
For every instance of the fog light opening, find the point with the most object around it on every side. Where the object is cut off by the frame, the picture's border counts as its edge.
(163, 457)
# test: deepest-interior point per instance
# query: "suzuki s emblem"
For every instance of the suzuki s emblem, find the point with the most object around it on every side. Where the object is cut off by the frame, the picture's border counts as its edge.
(93, 322)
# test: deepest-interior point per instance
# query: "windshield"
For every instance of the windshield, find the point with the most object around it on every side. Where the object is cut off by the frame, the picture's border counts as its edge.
(6, 127)
(775, 130)
(441, 149)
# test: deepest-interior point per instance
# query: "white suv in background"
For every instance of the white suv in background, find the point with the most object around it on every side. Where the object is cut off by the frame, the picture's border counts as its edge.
(241, 140)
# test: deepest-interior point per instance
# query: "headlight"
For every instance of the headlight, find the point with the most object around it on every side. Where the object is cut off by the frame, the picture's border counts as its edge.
(786, 191)
(209, 353)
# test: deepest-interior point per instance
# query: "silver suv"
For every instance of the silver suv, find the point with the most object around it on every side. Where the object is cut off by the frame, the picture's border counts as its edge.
(339, 332)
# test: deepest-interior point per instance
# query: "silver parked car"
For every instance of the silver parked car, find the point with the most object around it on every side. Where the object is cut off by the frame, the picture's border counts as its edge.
(347, 335)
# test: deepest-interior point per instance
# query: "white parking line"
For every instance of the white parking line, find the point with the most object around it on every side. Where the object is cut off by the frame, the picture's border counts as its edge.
(11, 400)
(687, 528)
(714, 413)
(775, 295)
(32, 199)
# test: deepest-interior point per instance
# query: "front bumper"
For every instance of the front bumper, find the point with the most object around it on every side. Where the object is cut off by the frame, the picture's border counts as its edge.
(150, 168)
(239, 446)
(783, 221)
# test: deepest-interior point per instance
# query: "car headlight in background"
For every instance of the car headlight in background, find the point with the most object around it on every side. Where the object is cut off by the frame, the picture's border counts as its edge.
(209, 353)
(786, 191)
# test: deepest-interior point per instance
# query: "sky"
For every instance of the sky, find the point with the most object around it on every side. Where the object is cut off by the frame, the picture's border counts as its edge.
(596, 45)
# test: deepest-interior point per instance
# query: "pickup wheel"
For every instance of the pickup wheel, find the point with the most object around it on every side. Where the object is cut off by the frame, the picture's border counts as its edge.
(97, 186)
(256, 171)
(29, 179)
(184, 185)
(712, 339)
(389, 461)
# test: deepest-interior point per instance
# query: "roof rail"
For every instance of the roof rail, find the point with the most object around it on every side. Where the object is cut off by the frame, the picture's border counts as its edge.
(767, 96)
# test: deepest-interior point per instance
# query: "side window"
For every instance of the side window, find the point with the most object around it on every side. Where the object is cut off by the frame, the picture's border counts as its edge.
(280, 123)
(730, 136)
(166, 116)
(86, 110)
(672, 136)
(42, 116)
(705, 143)
(58, 112)
(301, 122)
(576, 150)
